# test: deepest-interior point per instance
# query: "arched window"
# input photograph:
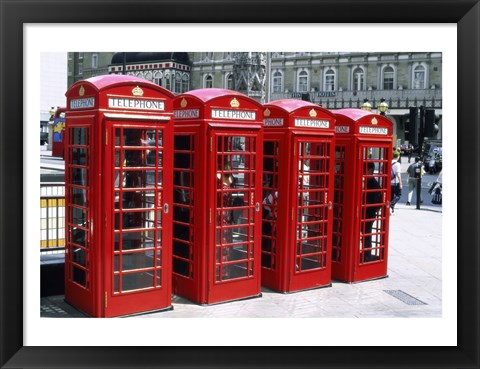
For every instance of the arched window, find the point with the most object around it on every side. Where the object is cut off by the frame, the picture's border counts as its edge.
(168, 84)
(388, 78)
(185, 82)
(208, 82)
(157, 78)
(178, 83)
(148, 76)
(329, 84)
(277, 82)
(229, 82)
(419, 77)
(302, 81)
(358, 79)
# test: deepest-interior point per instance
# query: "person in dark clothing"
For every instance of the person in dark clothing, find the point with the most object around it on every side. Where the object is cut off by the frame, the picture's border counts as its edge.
(372, 198)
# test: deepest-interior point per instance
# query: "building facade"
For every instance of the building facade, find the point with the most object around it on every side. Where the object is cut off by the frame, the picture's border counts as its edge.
(333, 80)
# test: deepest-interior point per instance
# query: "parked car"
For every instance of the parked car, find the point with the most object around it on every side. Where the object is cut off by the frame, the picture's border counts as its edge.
(406, 149)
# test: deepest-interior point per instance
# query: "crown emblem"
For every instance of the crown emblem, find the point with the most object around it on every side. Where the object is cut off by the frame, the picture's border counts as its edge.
(374, 120)
(137, 91)
(234, 103)
(313, 113)
(183, 103)
(266, 112)
(81, 92)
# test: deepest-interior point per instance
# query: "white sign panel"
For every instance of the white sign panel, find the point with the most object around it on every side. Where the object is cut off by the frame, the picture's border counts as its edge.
(138, 104)
(374, 130)
(273, 122)
(85, 103)
(314, 123)
(342, 129)
(186, 114)
(234, 114)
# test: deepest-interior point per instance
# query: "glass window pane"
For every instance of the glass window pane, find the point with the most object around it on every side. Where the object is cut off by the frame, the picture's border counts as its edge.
(134, 281)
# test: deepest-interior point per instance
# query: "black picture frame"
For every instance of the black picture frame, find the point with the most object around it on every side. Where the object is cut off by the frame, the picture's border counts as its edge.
(14, 14)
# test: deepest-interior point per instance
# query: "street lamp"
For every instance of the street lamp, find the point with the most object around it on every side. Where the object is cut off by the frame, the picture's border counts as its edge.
(366, 105)
(382, 107)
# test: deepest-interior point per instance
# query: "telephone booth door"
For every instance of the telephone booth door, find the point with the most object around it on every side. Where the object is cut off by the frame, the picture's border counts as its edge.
(312, 211)
(235, 215)
(363, 150)
(136, 267)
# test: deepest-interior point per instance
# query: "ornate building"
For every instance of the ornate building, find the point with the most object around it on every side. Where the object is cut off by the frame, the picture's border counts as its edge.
(333, 80)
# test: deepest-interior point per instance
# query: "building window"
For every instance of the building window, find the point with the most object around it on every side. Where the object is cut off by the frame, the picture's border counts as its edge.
(230, 85)
(94, 60)
(148, 76)
(358, 79)
(277, 82)
(178, 83)
(80, 56)
(168, 84)
(80, 69)
(329, 80)
(388, 78)
(302, 81)
(208, 81)
(419, 77)
(157, 78)
(208, 56)
(185, 82)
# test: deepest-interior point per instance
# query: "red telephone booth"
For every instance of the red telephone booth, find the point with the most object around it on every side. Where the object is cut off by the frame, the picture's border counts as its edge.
(217, 196)
(118, 174)
(363, 153)
(297, 195)
(58, 128)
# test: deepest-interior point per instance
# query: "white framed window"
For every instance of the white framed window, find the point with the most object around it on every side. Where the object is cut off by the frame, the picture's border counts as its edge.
(358, 80)
(94, 60)
(329, 80)
(80, 56)
(419, 77)
(302, 81)
(277, 82)
(178, 83)
(229, 85)
(157, 78)
(208, 81)
(388, 78)
(80, 68)
(185, 82)
(168, 83)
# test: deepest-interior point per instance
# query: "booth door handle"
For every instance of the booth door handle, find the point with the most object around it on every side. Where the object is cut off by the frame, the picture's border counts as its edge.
(165, 208)
(330, 205)
(257, 207)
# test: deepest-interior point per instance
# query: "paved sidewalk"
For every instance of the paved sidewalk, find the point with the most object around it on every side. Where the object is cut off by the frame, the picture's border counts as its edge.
(413, 287)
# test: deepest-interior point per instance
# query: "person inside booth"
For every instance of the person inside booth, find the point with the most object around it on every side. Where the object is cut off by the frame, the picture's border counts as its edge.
(373, 205)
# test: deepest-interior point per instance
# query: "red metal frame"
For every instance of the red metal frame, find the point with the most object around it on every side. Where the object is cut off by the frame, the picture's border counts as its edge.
(361, 208)
(298, 195)
(118, 194)
(217, 220)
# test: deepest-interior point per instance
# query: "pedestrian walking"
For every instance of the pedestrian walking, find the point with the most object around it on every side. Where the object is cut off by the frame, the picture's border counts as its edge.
(396, 182)
(412, 178)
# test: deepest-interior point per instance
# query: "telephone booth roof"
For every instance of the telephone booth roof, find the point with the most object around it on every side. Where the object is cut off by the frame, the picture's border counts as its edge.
(297, 113)
(217, 104)
(120, 93)
(100, 83)
(362, 122)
